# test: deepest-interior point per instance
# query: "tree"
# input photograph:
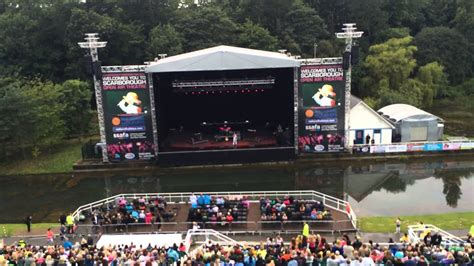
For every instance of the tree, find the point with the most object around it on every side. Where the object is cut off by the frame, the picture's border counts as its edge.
(333, 12)
(406, 13)
(391, 62)
(440, 12)
(45, 126)
(164, 39)
(390, 33)
(389, 68)
(305, 27)
(219, 28)
(432, 74)
(464, 18)
(126, 43)
(75, 95)
(449, 48)
(369, 15)
(34, 116)
(256, 37)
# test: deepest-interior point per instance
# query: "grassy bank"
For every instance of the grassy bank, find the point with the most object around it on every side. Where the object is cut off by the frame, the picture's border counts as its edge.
(7, 230)
(450, 221)
(59, 160)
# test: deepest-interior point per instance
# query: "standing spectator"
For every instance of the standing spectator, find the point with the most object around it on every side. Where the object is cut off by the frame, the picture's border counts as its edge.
(63, 232)
(428, 239)
(398, 224)
(28, 221)
(69, 223)
(306, 229)
(193, 201)
(367, 139)
(62, 219)
(50, 236)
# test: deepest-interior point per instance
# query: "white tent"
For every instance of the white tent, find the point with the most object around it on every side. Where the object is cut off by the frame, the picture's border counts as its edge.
(221, 58)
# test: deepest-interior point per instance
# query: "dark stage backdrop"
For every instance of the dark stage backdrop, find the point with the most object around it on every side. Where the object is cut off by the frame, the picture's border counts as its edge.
(127, 115)
(177, 109)
(321, 108)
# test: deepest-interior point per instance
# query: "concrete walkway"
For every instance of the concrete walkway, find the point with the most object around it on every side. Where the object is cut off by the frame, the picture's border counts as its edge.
(40, 239)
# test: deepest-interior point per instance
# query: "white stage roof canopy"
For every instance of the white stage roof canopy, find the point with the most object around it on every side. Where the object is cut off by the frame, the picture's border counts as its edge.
(222, 58)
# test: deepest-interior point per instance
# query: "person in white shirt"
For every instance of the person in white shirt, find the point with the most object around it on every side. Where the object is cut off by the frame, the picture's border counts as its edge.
(367, 261)
(234, 139)
(193, 199)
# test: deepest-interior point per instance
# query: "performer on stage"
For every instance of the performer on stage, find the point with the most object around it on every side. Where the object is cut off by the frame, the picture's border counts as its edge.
(234, 140)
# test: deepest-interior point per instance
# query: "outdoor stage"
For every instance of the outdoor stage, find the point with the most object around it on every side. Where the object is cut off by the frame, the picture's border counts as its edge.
(225, 103)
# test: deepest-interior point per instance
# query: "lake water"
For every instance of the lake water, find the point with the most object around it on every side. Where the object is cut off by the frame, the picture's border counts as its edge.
(402, 188)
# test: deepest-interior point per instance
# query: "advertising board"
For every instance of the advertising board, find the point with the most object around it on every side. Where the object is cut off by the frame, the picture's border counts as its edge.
(321, 109)
(127, 115)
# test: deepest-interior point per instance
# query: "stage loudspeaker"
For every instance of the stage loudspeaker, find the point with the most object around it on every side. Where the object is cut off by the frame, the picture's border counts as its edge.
(88, 64)
(96, 67)
(346, 60)
(355, 55)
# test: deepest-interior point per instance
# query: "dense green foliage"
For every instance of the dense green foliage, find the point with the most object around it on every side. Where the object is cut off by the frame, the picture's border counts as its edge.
(36, 115)
(412, 51)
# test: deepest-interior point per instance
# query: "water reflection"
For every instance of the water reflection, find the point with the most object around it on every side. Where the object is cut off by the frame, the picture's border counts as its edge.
(411, 189)
(372, 189)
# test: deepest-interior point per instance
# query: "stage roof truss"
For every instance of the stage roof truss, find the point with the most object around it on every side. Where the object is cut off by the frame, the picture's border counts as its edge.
(130, 68)
(223, 83)
(223, 58)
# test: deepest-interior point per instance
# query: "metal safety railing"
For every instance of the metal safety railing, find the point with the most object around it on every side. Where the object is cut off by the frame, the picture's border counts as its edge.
(330, 202)
(416, 234)
(194, 236)
(227, 228)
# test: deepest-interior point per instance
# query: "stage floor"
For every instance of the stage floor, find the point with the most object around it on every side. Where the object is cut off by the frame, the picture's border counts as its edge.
(188, 141)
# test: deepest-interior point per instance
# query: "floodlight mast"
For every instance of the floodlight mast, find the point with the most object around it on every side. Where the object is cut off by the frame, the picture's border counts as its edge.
(349, 33)
(92, 43)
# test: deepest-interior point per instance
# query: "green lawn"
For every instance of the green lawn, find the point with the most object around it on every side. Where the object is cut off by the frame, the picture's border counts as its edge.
(450, 221)
(7, 230)
(60, 160)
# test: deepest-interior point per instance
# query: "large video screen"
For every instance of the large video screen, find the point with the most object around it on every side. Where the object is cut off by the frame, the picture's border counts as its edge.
(321, 109)
(127, 115)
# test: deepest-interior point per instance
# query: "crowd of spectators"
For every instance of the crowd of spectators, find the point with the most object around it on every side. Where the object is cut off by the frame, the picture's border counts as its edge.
(312, 250)
(123, 211)
(217, 209)
(85, 253)
(294, 210)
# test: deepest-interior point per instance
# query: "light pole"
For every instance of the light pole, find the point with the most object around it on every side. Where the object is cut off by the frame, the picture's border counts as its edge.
(92, 43)
(315, 47)
(349, 33)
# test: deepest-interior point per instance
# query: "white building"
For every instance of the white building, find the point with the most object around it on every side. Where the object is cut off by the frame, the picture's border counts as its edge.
(364, 121)
(413, 124)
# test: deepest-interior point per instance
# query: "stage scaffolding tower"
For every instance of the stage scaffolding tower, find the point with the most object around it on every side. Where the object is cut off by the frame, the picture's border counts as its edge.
(349, 33)
(92, 43)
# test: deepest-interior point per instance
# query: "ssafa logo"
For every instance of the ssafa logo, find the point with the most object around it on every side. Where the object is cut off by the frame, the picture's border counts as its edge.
(319, 148)
(129, 156)
(122, 135)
